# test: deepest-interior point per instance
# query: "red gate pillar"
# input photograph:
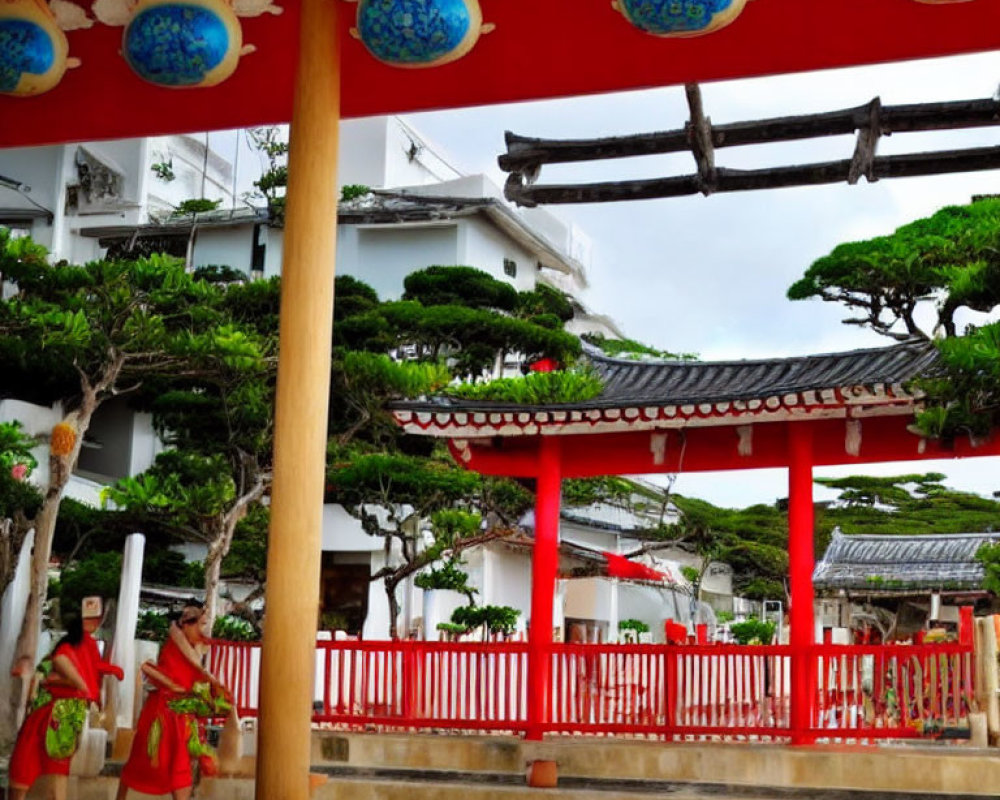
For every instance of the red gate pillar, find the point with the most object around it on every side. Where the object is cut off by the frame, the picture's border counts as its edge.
(543, 583)
(800, 567)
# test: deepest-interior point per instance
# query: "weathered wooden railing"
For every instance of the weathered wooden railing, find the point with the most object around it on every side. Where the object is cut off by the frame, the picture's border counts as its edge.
(668, 691)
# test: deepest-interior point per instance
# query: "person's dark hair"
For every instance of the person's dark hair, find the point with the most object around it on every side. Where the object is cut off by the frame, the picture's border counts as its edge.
(74, 630)
(184, 616)
(178, 613)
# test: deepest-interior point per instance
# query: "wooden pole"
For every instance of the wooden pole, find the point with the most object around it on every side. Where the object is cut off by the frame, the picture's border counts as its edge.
(800, 568)
(544, 566)
(293, 562)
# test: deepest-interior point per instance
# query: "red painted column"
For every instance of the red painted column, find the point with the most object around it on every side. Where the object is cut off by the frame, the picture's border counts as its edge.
(543, 583)
(800, 566)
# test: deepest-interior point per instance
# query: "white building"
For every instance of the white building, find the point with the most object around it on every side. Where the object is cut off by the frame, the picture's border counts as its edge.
(79, 200)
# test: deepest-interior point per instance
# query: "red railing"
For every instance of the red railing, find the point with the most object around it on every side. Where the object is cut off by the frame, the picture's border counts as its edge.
(669, 691)
(893, 691)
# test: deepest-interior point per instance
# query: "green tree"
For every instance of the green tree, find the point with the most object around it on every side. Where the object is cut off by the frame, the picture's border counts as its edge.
(945, 263)
(424, 508)
(948, 261)
(219, 422)
(459, 286)
(78, 336)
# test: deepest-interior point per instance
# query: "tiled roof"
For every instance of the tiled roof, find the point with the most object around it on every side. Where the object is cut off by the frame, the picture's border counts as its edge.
(681, 382)
(664, 394)
(894, 563)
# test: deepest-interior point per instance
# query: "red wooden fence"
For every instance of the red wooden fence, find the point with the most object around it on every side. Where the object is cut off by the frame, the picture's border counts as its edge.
(669, 691)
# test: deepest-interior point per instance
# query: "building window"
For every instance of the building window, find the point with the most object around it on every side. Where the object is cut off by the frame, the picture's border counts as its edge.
(510, 267)
(17, 228)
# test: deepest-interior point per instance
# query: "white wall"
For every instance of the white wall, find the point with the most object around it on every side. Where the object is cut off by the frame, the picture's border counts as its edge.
(343, 533)
(509, 582)
(186, 154)
(384, 152)
(388, 254)
(482, 245)
(225, 246)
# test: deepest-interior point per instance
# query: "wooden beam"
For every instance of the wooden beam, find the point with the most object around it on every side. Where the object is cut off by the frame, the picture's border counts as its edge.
(303, 396)
(732, 180)
(699, 131)
(525, 152)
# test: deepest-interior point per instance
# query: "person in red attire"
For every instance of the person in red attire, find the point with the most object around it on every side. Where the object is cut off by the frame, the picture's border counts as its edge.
(71, 680)
(167, 734)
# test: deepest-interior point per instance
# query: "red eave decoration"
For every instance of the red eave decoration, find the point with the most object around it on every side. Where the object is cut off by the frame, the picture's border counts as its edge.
(539, 49)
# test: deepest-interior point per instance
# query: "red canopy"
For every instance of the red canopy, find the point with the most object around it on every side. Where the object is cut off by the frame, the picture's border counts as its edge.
(538, 49)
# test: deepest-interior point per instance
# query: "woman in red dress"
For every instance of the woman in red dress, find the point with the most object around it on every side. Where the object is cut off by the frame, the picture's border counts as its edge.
(50, 735)
(167, 735)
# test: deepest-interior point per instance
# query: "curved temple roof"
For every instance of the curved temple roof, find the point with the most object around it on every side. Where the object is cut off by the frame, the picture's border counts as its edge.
(890, 564)
(673, 394)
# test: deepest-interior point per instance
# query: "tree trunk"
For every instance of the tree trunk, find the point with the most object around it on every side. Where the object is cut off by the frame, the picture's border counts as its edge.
(213, 569)
(391, 582)
(223, 540)
(60, 470)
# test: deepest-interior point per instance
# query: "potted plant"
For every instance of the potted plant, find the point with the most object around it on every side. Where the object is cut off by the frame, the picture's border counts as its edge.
(630, 629)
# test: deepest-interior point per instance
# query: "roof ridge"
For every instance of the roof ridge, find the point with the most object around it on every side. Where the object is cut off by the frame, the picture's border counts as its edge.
(595, 352)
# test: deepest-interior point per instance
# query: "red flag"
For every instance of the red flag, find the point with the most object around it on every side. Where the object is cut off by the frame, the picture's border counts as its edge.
(621, 567)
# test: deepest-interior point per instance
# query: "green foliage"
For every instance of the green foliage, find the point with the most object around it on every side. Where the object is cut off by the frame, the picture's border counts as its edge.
(219, 273)
(363, 383)
(724, 616)
(989, 556)
(927, 507)
(493, 619)
(198, 205)
(691, 574)
(447, 577)
(352, 191)
(153, 626)
(97, 574)
(271, 144)
(234, 629)
(866, 490)
(352, 297)
(965, 397)
(636, 625)
(580, 492)
(459, 286)
(164, 170)
(247, 556)
(753, 631)
(17, 495)
(753, 541)
(183, 484)
(544, 301)
(355, 478)
(629, 348)
(535, 388)
(948, 260)
(452, 628)
(168, 567)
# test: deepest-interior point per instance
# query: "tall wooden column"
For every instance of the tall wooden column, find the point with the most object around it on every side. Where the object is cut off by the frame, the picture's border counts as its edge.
(544, 567)
(800, 566)
(293, 560)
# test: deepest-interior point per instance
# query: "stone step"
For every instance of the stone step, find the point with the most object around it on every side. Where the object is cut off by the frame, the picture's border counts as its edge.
(368, 784)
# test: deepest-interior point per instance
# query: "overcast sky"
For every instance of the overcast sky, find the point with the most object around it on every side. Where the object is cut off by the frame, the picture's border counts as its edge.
(709, 275)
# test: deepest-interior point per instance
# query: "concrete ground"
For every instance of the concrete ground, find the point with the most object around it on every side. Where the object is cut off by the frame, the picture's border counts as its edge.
(374, 766)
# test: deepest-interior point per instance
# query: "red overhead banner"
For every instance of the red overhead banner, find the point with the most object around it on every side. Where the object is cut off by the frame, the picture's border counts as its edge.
(466, 53)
